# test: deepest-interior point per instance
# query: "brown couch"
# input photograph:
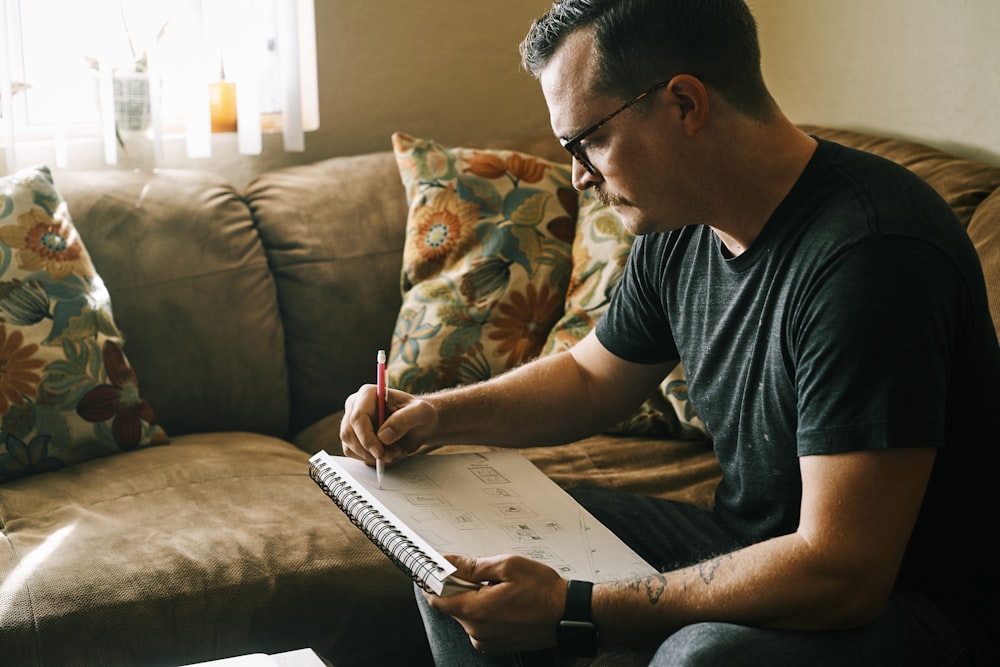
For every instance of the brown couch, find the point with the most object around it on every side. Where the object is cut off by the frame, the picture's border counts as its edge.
(249, 317)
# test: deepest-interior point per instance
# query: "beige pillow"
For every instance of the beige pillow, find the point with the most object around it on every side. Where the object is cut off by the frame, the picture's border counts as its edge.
(486, 262)
(67, 392)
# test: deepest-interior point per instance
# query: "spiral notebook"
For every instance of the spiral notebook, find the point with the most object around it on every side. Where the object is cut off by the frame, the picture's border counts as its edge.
(479, 504)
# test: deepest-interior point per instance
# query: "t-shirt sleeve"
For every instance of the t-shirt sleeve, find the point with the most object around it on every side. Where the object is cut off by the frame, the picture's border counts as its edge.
(636, 326)
(873, 345)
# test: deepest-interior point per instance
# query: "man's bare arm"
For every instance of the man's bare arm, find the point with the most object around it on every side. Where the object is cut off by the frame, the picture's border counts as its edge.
(552, 400)
(836, 571)
(555, 399)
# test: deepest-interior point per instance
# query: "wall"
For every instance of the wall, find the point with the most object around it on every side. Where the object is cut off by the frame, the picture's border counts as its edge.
(449, 69)
(921, 69)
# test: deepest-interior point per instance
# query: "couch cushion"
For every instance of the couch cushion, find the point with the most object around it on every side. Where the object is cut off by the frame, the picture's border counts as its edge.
(486, 261)
(984, 230)
(333, 231)
(963, 183)
(215, 545)
(192, 291)
(67, 392)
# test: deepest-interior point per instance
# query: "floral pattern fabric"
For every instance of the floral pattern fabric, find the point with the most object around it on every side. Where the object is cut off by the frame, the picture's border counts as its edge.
(67, 392)
(486, 262)
(600, 248)
(503, 262)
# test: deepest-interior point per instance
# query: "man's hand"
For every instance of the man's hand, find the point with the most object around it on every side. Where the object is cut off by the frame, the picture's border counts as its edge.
(518, 611)
(408, 424)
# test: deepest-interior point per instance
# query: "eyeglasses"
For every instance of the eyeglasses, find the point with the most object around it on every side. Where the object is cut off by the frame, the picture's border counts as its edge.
(575, 144)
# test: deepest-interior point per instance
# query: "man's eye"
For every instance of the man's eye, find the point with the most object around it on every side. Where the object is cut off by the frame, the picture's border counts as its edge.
(593, 143)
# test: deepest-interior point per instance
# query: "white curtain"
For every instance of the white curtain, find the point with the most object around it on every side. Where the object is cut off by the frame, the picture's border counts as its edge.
(125, 72)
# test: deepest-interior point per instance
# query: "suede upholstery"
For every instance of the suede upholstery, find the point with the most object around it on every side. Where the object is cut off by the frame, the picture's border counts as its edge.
(334, 249)
(984, 230)
(249, 317)
(192, 292)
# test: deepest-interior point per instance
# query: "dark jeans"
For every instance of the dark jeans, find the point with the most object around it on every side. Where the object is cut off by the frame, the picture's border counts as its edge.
(669, 535)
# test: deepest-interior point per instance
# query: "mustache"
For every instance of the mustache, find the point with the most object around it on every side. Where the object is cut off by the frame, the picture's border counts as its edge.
(609, 199)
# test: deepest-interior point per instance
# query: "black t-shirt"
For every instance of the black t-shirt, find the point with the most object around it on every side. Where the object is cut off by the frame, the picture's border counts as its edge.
(857, 320)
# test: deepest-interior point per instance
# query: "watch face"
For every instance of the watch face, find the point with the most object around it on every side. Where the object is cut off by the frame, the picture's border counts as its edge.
(577, 638)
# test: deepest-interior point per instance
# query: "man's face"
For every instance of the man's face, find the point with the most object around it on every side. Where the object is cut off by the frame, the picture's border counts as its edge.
(628, 153)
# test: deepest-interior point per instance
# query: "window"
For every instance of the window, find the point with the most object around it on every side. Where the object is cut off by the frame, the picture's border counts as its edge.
(146, 70)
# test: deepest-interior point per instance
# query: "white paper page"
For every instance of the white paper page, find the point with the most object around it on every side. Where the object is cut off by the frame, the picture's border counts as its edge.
(498, 502)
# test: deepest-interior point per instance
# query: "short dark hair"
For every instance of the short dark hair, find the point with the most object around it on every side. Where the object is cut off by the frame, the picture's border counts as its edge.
(642, 42)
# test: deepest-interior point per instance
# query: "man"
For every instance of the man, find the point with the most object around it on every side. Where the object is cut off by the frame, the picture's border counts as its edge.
(831, 315)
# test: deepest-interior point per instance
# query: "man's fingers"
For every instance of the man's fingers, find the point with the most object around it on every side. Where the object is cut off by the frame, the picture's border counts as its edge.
(517, 611)
(357, 429)
(407, 424)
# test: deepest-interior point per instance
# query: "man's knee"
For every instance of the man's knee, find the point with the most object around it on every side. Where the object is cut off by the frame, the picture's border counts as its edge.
(706, 644)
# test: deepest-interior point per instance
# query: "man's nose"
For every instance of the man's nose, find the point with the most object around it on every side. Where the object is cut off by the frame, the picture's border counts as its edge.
(582, 178)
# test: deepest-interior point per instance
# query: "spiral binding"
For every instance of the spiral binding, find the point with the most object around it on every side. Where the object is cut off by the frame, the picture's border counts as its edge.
(406, 555)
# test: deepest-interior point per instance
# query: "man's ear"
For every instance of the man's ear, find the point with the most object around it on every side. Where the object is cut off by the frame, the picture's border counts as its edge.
(691, 96)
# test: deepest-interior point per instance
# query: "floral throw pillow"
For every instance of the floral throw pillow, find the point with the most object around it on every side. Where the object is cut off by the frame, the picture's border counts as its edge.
(600, 248)
(486, 262)
(67, 392)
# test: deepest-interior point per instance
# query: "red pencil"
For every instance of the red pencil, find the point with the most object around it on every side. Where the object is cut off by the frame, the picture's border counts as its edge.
(380, 383)
(381, 386)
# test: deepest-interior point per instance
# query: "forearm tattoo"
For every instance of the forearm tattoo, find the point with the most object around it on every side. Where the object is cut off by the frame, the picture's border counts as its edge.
(654, 586)
(706, 569)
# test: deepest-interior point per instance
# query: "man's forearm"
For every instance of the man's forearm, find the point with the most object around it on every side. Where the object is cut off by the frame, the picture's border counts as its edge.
(781, 583)
(541, 403)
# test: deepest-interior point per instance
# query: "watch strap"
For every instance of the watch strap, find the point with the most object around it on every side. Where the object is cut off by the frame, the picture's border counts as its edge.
(577, 635)
(578, 594)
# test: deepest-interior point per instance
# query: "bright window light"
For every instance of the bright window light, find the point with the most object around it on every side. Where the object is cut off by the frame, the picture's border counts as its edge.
(110, 68)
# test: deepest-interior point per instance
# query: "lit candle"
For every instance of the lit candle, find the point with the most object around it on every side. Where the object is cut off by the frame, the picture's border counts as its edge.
(222, 100)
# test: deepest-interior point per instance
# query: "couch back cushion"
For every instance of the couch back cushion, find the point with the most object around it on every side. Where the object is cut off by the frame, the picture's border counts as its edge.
(333, 231)
(984, 230)
(192, 294)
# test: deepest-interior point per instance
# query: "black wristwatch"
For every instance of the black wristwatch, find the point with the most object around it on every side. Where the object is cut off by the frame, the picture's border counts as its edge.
(577, 635)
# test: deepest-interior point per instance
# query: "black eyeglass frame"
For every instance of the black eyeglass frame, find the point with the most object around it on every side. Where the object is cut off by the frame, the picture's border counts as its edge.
(573, 144)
